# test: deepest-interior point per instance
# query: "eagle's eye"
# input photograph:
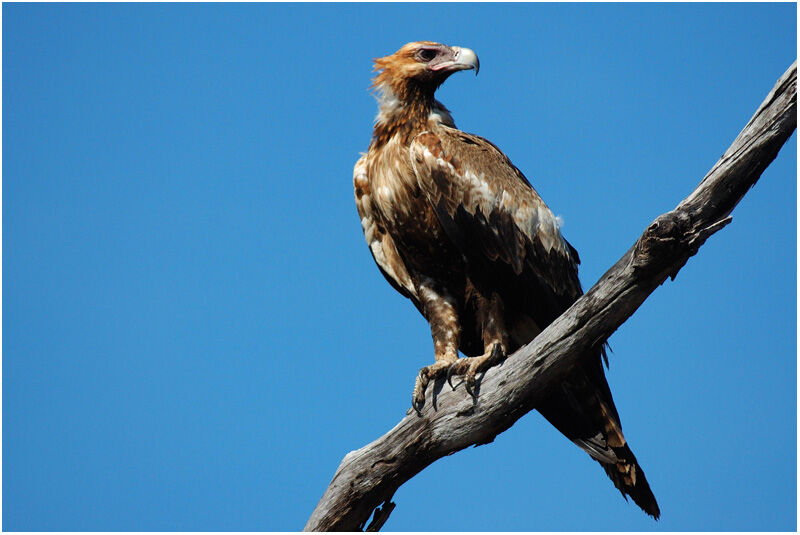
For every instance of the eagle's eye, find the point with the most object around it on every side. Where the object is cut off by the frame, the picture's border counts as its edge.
(426, 54)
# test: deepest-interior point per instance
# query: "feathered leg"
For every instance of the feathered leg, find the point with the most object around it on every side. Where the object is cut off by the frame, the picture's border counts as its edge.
(440, 311)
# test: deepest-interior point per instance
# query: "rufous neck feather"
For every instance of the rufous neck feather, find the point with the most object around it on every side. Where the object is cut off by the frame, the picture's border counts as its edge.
(404, 115)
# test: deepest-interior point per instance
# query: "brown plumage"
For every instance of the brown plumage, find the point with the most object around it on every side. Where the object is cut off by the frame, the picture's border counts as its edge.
(456, 228)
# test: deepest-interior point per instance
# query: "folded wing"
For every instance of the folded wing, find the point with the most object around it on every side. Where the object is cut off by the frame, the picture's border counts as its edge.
(500, 223)
(514, 247)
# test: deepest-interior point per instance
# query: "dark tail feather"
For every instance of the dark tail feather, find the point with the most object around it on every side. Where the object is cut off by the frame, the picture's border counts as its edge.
(581, 407)
(629, 478)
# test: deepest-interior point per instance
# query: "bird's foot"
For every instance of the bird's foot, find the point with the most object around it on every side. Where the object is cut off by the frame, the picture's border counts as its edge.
(471, 366)
(427, 374)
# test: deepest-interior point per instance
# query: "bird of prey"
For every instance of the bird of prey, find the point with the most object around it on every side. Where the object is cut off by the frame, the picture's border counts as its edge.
(455, 227)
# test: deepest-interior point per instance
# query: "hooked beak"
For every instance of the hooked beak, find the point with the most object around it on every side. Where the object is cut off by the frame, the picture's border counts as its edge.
(463, 59)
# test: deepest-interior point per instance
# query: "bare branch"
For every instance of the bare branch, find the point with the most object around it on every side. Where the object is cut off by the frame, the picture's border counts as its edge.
(449, 422)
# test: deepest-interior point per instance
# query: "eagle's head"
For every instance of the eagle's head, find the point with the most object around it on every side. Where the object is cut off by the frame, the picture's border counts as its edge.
(417, 69)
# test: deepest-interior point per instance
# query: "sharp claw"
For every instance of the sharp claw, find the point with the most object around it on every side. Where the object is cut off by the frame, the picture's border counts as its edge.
(450, 373)
(416, 406)
(418, 401)
(469, 382)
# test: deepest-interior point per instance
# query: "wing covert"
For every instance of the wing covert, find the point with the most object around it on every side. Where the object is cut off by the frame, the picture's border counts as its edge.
(491, 211)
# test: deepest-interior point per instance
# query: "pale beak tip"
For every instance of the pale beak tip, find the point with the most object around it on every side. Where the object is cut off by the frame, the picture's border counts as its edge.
(468, 58)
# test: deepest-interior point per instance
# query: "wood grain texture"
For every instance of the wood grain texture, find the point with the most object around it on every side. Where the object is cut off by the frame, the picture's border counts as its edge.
(368, 478)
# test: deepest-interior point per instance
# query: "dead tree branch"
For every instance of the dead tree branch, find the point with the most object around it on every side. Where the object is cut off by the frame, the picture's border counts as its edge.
(368, 478)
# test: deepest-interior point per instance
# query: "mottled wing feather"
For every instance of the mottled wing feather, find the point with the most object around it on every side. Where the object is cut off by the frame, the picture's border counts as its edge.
(379, 241)
(491, 211)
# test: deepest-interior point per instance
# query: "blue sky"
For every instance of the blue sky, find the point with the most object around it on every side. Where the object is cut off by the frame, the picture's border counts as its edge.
(195, 333)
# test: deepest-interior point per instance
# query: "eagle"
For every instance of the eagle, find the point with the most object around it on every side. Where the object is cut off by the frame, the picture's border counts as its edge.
(456, 228)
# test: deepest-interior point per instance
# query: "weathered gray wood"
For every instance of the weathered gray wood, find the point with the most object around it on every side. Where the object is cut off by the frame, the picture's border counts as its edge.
(449, 421)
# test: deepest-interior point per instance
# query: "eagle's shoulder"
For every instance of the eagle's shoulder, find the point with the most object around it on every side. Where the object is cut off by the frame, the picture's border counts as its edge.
(380, 243)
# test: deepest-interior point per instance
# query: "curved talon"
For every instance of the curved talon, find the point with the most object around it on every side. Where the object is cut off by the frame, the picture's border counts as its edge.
(450, 373)
(415, 403)
(418, 396)
(469, 382)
